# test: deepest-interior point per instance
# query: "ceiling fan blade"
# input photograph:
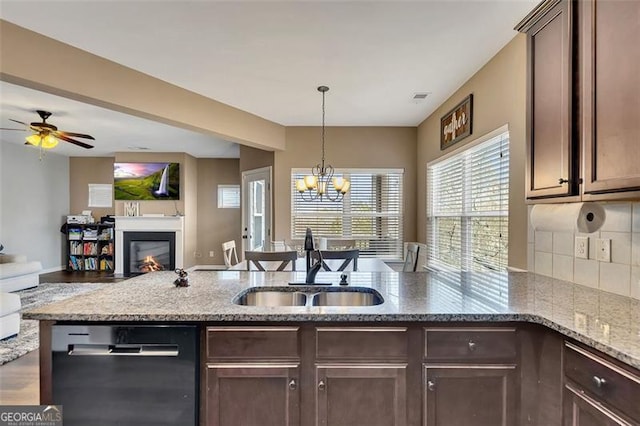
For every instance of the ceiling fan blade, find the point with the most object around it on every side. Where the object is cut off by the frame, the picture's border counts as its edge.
(73, 141)
(75, 135)
(19, 122)
(6, 128)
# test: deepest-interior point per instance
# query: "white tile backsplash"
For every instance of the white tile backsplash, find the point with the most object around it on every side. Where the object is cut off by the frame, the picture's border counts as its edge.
(563, 243)
(562, 267)
(586, 272)
(544, 263)
(618, 218)
(544, 241)
(635, 282)
(635, 227)
(620, 246)
(551, 253)
(615, 278)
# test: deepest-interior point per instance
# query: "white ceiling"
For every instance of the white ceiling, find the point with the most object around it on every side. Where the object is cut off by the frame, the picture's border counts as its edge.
(268, 57)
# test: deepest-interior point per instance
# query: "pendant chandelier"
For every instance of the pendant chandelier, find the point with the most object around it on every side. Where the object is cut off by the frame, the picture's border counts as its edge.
(316, 186)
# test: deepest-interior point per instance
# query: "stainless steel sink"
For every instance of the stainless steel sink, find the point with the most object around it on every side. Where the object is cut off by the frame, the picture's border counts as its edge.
(347, 297)
(272, 298)
(328, 296)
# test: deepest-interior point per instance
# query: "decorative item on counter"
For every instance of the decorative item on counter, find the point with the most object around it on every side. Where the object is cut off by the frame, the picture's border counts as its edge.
(183, 279)
(343, 279)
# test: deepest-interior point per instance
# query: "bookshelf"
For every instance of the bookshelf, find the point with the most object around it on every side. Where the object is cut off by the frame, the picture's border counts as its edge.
(90, 247)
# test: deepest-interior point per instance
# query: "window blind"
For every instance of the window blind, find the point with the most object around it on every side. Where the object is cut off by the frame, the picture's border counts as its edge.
(371, 213)
(468, 208)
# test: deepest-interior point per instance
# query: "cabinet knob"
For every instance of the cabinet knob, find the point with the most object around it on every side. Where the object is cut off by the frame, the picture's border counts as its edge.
(561, 181)
(431, 386)
(321, 385)
(599, 381)
(472, 346)
(293, 385)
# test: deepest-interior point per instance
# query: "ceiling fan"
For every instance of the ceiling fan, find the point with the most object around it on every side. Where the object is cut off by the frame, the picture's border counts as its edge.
(46, 135)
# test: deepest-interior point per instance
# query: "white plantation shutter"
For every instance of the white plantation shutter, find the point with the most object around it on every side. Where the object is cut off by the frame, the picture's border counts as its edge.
(371, 213)
(468, 208)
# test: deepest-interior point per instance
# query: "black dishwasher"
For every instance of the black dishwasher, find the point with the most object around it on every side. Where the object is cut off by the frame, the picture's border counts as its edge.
(126, 374)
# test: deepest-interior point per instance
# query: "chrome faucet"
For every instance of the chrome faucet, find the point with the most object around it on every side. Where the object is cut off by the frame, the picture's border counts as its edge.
(312, 268)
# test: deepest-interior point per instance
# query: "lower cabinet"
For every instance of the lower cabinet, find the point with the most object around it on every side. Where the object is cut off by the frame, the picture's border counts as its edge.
(582, 410)
(463, 395)
(361, 394)
(253, 394)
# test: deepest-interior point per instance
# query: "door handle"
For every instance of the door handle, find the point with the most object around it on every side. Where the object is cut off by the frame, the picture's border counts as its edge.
(431, 386)
(321, 385)
(293, 385)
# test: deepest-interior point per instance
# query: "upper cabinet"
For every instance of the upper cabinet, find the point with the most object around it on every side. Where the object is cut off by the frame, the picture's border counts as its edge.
(583, 113)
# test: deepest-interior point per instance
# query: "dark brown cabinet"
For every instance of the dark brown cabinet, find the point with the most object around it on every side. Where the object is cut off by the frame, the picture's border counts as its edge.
(551, 150)
(458, 395)
(258, 394)
(597, 391)
(470, 376)
(361, 394)
(610, 83)
(583, 118)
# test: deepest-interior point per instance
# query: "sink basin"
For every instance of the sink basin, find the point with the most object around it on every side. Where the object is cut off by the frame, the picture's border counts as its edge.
(271, 298)
(347, 297)
(330, 296)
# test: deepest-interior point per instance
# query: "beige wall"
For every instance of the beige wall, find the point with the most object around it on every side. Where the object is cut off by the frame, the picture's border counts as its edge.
(84, 77)
(83, 171)
(215, 225)
(254, 158)
(499, 98)
(345, 147)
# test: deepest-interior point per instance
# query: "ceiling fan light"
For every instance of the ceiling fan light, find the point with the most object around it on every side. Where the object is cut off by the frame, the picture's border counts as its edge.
(49, 142)
(33, 139)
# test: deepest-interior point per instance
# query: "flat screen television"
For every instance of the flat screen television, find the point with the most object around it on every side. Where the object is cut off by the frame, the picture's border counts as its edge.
(146, 181)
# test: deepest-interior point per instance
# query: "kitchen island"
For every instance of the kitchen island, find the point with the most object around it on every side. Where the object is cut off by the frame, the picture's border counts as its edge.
(516, 329)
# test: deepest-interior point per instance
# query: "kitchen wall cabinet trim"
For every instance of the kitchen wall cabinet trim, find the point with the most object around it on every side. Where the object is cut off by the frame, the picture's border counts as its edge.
(535, 15)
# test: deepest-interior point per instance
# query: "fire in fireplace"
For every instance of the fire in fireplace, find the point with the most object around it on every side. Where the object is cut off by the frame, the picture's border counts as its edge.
(148, 251)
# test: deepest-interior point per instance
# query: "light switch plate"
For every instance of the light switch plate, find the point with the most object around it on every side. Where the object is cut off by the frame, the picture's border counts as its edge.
(603, 249)
(581, 247)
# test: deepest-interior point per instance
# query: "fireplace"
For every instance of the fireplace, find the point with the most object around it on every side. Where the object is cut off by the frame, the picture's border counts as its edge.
(148, 252)
(138, 237)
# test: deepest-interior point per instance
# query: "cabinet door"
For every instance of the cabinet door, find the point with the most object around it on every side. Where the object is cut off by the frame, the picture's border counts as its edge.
(581, 410)
(551, 166)
(610, 94)
(252, 395)
(466, 395)
(361, 395)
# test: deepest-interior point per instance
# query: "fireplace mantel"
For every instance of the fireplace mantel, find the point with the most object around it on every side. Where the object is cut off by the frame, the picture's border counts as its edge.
(149, 224)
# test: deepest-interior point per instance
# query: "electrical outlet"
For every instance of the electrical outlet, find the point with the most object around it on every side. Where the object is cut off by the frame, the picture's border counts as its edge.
(581, 248)
(211, 253)
(603, 249)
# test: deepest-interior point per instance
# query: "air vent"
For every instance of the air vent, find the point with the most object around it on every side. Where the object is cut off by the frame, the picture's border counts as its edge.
(421, 96)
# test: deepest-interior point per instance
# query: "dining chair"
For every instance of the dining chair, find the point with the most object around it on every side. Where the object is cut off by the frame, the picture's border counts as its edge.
(259, 259)
(347, 255)
(229, 253)
(411, 258)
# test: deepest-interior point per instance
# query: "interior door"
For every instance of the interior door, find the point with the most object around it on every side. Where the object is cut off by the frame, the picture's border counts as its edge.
(256, 209)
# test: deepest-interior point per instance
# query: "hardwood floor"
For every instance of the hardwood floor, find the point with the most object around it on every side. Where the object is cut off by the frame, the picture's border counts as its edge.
(20, 381)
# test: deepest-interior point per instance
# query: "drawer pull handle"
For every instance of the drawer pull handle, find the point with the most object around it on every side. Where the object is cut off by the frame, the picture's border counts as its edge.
(293, 385)
(472, 346)
(599, 382)
(322, 386)
(431, 385)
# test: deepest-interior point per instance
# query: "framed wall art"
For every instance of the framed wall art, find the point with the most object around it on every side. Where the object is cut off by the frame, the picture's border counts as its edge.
(457, 123)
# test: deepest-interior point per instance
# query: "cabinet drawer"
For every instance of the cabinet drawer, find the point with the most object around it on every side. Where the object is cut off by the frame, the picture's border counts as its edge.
(352, 343)
(464, 344)
(264, 343)
(611, 384)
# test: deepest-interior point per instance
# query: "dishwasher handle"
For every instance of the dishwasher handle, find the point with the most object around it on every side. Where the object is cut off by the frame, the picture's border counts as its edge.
(123, 350)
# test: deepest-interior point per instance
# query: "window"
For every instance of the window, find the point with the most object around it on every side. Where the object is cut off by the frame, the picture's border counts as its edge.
(468, 208)
(371, 213)
(228, 196)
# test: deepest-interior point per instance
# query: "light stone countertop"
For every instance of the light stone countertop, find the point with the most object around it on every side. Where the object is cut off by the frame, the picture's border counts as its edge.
(604, 321)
